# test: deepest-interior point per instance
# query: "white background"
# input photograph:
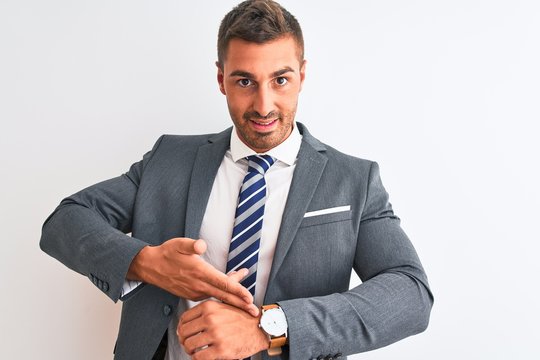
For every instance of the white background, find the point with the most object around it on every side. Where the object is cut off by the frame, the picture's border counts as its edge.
(443, 94)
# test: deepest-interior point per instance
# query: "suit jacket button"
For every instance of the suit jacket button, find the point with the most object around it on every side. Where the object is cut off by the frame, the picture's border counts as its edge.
(167, 310)
(105, 286)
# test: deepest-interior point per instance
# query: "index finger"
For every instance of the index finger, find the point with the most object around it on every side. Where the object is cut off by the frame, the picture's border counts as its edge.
(222, 282)
(233, 300)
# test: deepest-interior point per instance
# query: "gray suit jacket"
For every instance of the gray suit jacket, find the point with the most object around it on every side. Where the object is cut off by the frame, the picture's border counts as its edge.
(165, 196)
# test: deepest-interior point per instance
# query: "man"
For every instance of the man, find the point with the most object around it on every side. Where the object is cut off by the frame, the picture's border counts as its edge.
(281, 220)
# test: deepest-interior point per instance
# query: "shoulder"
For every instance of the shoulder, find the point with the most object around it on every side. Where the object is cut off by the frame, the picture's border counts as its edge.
(340, 163)
(184, 140)
(348, 168)
(189, 143)
(335, 158)
(346, 160)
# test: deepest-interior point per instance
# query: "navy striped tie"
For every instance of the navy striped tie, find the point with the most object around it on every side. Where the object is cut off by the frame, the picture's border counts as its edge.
(246, 236)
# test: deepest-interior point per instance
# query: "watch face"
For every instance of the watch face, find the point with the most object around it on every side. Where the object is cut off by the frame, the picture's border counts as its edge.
(273, 322)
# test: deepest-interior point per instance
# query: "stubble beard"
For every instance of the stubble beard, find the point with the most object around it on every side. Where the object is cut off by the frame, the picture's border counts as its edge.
(265, 141)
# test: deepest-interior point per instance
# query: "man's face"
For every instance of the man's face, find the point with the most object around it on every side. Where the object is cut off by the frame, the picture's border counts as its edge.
(262, 83)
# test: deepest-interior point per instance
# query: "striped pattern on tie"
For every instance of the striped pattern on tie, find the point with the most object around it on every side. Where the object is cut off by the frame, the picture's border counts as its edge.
(246, 236)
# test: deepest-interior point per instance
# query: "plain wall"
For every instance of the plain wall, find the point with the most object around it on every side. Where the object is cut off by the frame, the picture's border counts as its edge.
(443, 94)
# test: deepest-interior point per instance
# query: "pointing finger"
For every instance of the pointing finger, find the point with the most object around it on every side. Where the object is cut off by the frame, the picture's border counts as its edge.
(238, 275)
(227, 285)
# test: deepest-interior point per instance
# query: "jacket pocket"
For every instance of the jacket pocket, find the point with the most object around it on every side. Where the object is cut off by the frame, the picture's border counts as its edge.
(326, 218)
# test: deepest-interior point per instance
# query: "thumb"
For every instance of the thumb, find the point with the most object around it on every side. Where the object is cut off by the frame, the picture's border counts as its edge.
(199, 246)
(191, 247)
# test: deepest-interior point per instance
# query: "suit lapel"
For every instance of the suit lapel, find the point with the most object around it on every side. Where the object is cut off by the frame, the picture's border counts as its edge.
(207, 162)
(309, 168)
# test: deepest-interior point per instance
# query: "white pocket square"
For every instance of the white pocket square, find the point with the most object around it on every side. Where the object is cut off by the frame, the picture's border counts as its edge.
(328, 211)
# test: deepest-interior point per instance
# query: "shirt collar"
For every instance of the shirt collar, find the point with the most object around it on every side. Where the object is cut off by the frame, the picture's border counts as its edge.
(286, 152)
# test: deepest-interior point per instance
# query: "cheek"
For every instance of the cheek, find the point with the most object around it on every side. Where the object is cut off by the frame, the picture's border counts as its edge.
(237, 106)
(287, 101)
(235, 94)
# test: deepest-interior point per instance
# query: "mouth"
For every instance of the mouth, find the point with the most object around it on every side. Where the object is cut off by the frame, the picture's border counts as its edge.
(265, 122)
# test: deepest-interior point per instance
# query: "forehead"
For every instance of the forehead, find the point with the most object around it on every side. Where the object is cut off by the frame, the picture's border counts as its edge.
(267, 57)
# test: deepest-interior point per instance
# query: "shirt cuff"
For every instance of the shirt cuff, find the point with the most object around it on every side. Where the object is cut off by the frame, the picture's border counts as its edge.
(128, 287)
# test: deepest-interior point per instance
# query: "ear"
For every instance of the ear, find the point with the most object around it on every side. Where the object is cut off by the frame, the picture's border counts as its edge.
(220, 78)
(302, 73)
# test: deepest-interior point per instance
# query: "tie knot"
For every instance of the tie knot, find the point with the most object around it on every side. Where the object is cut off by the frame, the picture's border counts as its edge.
(260, 163)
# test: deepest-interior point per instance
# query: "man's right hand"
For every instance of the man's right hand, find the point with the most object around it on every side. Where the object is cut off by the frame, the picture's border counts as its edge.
(176, 266)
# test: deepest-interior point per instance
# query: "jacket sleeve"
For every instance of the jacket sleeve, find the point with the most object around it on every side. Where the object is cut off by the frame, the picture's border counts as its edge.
(87, 231)
(393, 301)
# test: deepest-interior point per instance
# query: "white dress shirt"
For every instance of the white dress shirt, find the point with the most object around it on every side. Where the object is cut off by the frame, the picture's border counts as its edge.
(218, 220)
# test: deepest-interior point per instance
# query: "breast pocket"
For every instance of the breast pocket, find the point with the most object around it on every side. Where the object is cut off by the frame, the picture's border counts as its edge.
(326, 218)
(321, 255)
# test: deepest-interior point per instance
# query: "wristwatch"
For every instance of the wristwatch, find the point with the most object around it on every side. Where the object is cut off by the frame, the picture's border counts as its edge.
(274, 324)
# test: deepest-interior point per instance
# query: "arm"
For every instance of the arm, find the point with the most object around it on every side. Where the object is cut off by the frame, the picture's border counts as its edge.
(393, 302)
(87, 233)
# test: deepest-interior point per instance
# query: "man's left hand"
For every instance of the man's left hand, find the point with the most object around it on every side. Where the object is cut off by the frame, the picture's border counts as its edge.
(214, 330)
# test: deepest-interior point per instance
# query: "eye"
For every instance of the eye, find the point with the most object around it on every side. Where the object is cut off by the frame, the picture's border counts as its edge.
(281, 80)
(244, 82)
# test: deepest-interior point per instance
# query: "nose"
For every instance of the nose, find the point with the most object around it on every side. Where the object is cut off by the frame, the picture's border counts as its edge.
(263, 102)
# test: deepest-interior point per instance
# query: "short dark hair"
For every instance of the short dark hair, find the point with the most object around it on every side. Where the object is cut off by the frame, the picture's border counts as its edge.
(258, 21)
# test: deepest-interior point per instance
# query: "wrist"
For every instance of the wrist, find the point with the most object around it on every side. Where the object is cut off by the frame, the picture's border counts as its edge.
(139, 264)
(262, 337)
(273, 323)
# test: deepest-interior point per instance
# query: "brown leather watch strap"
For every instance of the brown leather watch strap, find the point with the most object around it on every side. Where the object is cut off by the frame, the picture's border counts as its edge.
(278, 342)
(271, 306)
(275, 343)
(274, 351)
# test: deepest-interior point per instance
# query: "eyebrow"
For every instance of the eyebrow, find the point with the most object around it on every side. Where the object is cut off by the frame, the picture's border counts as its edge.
(249, 75)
